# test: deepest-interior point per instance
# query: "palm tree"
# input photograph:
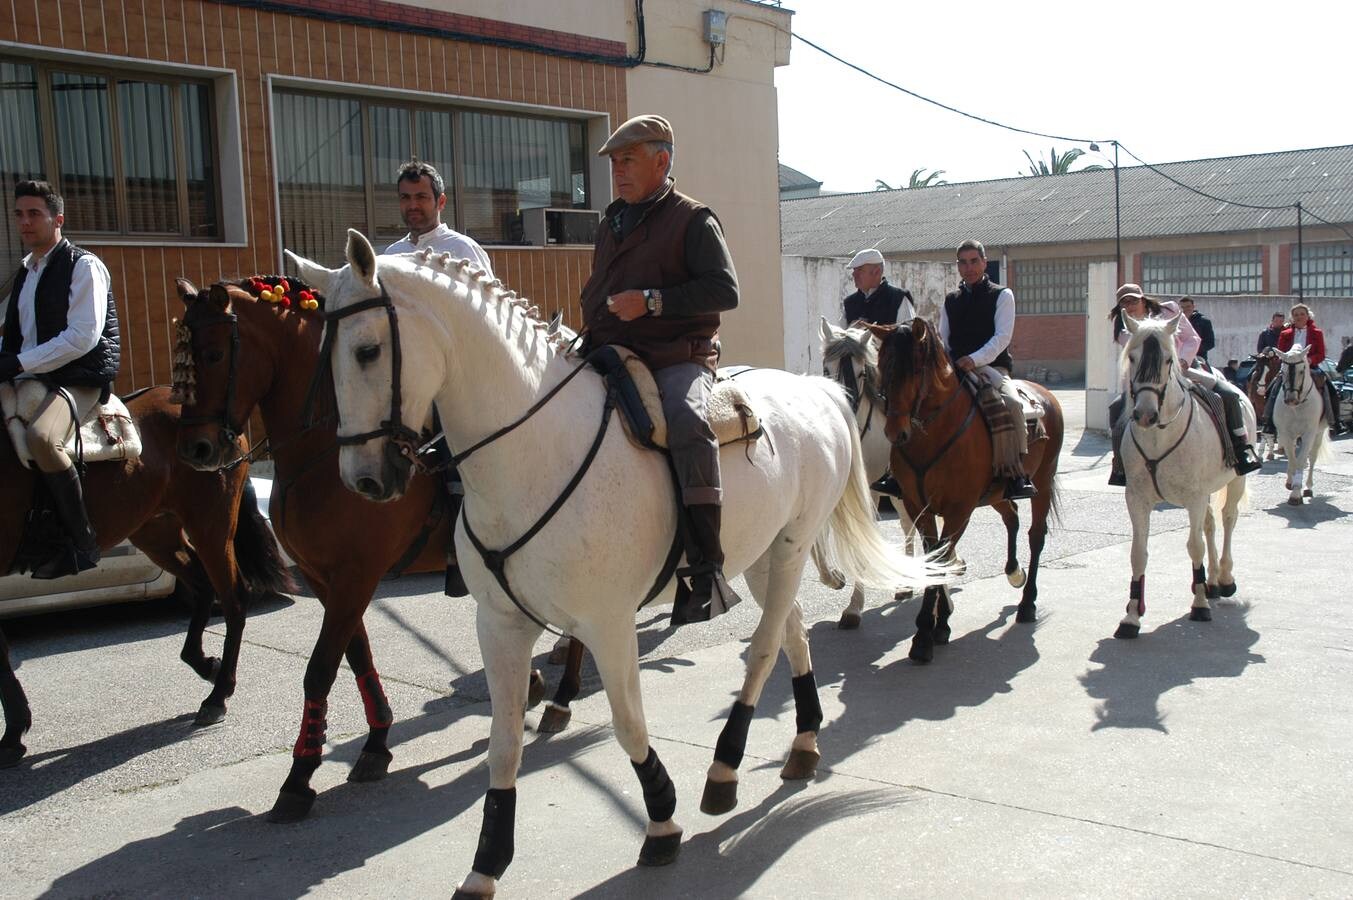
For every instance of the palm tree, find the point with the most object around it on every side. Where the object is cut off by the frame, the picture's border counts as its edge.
(1056, 164)
(916, 181)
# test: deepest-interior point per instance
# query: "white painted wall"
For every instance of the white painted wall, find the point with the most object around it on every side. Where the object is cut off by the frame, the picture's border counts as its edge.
(814, 286)
(1101, 353)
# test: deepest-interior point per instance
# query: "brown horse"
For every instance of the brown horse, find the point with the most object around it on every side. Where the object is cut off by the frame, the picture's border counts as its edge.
(942, 458)
(184, 520)
(247, 353)
(1265, 370)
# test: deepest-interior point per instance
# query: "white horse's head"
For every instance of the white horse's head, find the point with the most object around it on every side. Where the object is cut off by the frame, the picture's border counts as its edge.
(1296, 373)
(1152, 364)
(377, 320)
(850, 357)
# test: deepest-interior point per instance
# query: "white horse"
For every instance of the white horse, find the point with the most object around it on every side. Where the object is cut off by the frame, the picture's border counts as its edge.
(525, 421)
(1172, 452)
(850, 358)
(1300, 422)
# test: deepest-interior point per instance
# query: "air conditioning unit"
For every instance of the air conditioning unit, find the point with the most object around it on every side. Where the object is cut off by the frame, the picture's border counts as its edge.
(543, 226)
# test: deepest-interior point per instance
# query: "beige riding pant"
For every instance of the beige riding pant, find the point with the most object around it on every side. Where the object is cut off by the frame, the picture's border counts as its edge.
(52, 426)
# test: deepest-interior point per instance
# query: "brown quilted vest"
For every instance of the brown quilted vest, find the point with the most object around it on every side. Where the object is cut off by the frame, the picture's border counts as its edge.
(653, 256)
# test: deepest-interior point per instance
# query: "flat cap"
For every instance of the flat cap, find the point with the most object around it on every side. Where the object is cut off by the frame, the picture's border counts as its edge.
(869, 257)
(638, 130)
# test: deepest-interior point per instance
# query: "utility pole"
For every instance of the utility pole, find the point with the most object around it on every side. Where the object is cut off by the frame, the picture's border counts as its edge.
(1296, 288)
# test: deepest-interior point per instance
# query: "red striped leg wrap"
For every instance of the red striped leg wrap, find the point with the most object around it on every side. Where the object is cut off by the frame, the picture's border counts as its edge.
(378, 714)
(310, 742)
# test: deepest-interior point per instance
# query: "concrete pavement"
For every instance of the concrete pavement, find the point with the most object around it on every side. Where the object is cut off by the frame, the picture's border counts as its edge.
(1204, 759)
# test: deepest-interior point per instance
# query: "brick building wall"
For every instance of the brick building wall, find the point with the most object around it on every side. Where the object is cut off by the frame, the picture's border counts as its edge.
(257, 43)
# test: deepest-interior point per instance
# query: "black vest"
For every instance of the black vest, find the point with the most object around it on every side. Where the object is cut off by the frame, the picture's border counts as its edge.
(880, 308)
(972, 321)
(98, 367)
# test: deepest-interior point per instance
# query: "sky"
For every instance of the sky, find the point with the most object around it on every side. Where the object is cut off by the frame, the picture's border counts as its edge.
(1169, 80)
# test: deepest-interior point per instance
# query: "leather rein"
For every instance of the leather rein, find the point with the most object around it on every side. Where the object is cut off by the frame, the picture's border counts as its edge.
(1135, 390)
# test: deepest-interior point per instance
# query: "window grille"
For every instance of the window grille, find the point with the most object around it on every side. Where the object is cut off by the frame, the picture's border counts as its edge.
(1225, 271)
(1326, 270)
(1050, 286)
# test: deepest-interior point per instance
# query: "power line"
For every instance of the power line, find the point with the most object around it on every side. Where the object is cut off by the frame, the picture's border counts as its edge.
(1199, 192)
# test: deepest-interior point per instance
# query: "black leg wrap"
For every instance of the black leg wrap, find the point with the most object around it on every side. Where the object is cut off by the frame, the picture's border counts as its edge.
(1199, 575)
(733, 738)
(659, 792)
(495, 836)
(807, 708)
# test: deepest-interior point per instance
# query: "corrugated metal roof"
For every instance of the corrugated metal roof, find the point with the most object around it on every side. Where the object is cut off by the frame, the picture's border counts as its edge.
(793, 178)
(1076, 207)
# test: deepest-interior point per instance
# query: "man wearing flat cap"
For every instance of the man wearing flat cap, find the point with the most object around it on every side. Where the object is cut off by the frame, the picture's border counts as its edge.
(875, 300)
(661, 275)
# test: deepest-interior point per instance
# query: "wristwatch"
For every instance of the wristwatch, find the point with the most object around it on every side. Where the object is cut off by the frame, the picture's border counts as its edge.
(653, 300)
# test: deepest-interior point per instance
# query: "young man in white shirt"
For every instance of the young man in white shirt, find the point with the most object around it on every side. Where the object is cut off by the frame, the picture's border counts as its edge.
(422, 197)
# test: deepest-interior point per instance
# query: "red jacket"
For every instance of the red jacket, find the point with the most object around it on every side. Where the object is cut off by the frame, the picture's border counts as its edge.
(1315, 342)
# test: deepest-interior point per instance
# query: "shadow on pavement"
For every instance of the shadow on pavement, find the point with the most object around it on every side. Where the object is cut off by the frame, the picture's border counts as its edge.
(1134, 674)
(229, 852)
(1309, 514)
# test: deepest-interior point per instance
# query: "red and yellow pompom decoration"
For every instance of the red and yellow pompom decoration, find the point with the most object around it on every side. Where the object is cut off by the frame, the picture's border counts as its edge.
(279, 290)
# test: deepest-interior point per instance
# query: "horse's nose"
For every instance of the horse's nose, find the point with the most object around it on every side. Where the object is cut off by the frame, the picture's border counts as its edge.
(370, 487)
(199, 453)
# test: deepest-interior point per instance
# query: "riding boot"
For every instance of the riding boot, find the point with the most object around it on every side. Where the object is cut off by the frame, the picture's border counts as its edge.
(1020, 487)
(709, 594)
(887, 485)
(1117, 477)
(455, 582)
(1247, 460)
(1336, 427)
(68, 500)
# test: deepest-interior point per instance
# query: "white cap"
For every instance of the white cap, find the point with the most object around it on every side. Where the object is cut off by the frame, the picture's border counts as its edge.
(866, 258)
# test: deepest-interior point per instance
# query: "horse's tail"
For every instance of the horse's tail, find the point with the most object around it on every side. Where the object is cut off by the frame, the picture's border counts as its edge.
(851, 544)
(262, 568)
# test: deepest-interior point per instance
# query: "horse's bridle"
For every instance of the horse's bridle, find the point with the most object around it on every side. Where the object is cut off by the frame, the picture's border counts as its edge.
(400, 435)
(230, 430)
(846, 377)
(1136, 389)
(1290, 385)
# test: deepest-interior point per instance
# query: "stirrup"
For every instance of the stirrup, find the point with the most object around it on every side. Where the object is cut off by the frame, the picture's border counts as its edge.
(708, 596)
(1247, 460)
(1117, 477)
(887, 485)
(69, 560)
(1020, 488)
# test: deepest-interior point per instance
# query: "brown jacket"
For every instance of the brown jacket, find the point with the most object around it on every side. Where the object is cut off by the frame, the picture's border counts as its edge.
(652, 256)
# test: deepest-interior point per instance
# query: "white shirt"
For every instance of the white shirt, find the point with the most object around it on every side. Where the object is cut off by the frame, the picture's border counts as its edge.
(1299, 336)
(84, 319)
(1005, 330)
(443, 240)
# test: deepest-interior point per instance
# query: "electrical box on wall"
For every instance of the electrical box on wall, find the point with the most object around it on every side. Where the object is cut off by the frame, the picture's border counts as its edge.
(716, 27)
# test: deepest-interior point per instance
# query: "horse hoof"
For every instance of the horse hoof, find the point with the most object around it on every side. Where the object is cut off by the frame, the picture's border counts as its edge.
(941, 635)
(291, 808)
(801, 765)
(719, 797)
(458, 894)
(535, 692)
(1200, 614)
(1126, 631)
(1026, 614)
(1016, 578)
(1227, 590)
(558, 656)
(1293, 501)
(554, 719)
(849, 621)
(1212, 592)
(904, 594)
(922, 651)
(370, 766)
(660, 851)
(10, 756)
(210, 714)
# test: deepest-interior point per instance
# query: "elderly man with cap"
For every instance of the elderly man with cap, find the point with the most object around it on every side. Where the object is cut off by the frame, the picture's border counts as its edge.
(875, 300)
(661, 275)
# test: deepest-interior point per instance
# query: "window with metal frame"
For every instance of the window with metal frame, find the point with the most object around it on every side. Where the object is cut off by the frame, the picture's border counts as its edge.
(1326, 270)
(1232, 270)
(338, 155)
(132, 153)
(1050, 286)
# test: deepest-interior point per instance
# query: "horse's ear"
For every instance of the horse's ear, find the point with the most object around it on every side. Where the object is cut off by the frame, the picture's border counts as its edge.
(186, 289)
(313, 272)
(361, 256)
(882, 332)
(829, 332)
(1130, 324)
(1172, 324)
(219, 296)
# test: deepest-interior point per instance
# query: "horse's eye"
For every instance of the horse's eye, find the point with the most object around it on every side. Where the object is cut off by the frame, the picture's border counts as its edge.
(213, 356)
(368, 353)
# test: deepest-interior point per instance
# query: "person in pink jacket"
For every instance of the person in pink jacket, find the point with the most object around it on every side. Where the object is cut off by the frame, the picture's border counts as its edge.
(1132, 301)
